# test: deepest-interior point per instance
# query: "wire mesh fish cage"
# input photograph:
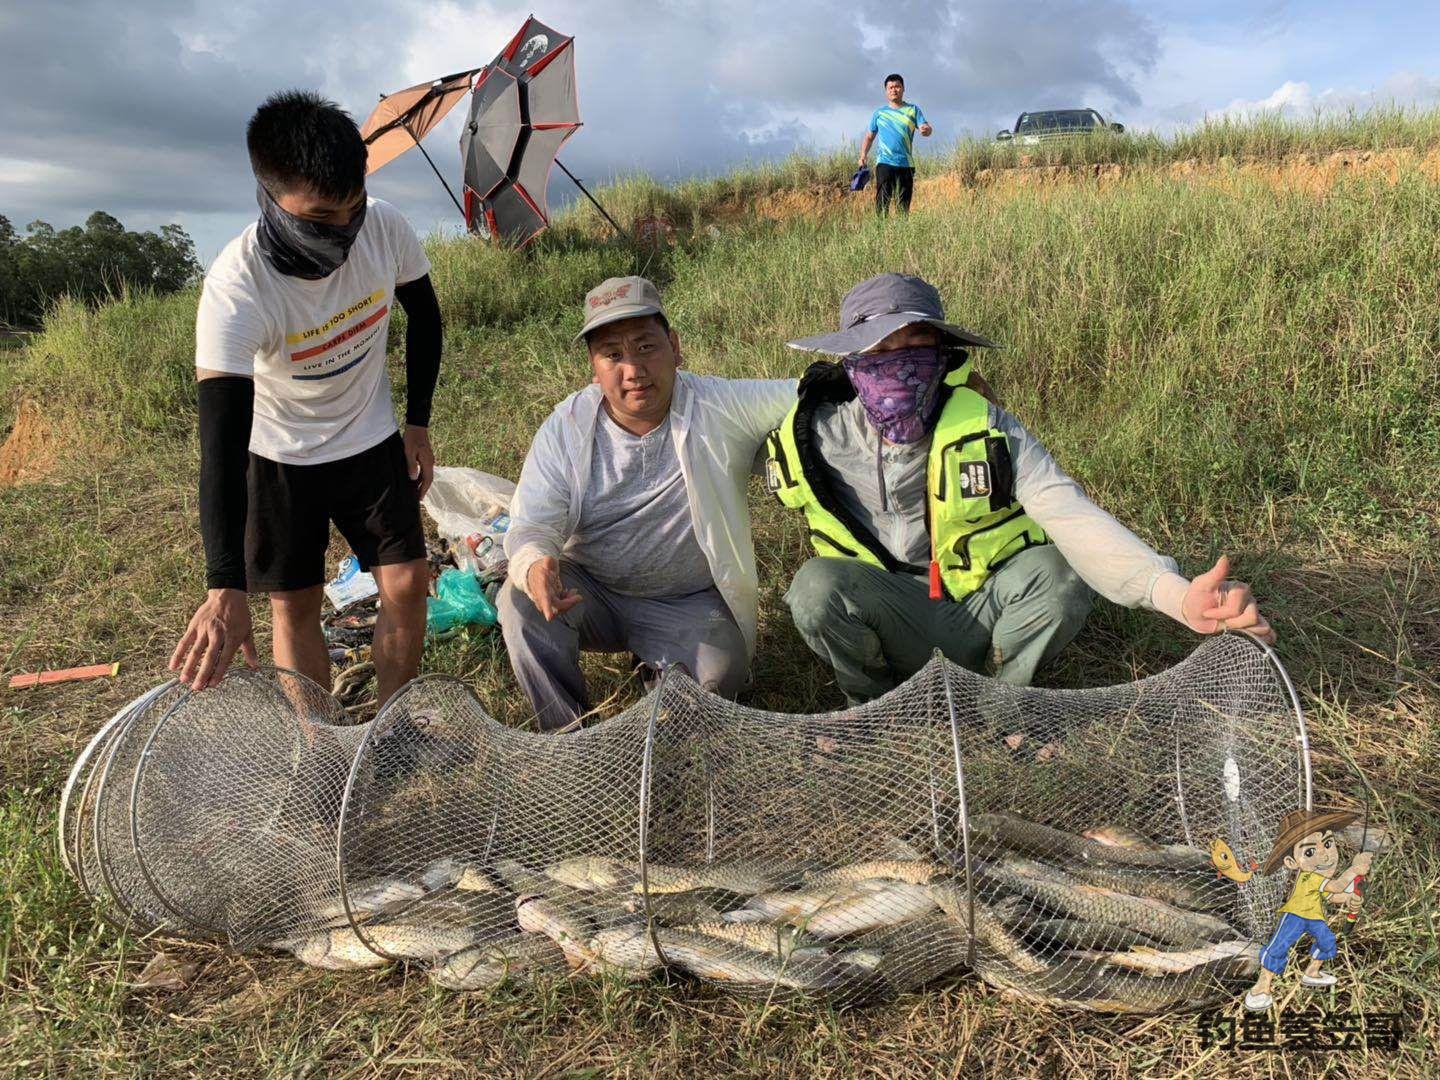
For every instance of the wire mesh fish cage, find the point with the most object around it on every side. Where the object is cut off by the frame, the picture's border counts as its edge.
(1054, 842)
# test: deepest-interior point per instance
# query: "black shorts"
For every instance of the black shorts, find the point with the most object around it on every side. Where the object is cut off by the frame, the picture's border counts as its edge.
(369, 496)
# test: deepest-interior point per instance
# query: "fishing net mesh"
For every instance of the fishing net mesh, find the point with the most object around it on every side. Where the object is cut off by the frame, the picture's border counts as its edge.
(1055, 842)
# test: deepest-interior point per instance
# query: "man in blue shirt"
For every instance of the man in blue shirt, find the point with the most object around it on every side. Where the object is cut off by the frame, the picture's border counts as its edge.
(895, 124)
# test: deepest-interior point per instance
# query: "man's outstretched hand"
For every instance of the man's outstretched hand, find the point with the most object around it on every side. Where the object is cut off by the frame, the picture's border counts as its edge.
(1214, 603)
(219, 627)
(546, 589)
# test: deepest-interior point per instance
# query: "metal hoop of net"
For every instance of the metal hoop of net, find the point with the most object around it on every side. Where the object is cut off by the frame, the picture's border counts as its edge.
(1058, 843)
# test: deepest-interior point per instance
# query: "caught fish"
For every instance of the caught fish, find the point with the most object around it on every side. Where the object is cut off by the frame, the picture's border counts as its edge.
(778, 940)
(791, 906)
(474, 879)
(989, 930)
(865, 958)
(1119, 836)
(1098, 987)
(1244, 958)
(453, 872)
(1075, 934)
(675, 908)
(336, 950)
(592, 873)
(519, 878)
(893, 902)
(743, 879)
(371, 898)
(1013, 909)
(491, 963)
(1196, 891)
(1036, 839)
(913, 871)
(340, 949)
(441, 873)
(723, 961)
(1092, 903)
(625, 950)
(895, 848)
(916, 953)
(561, 923)
(843, 909)
(631, 951)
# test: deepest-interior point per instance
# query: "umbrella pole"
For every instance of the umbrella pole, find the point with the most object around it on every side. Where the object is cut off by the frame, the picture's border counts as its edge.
(436, 171)
(574, 179)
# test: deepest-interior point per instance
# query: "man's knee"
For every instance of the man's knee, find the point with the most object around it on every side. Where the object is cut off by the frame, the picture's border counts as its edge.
(297, 607)
(1054, 588)
(722, 659)
(404, 583)
(517, 612)
(817, 592)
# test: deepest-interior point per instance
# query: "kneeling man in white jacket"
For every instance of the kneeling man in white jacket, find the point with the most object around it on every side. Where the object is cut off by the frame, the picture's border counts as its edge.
(629, 528)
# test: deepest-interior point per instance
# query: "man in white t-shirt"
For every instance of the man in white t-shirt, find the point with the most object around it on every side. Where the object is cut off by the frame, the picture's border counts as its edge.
(297, 429)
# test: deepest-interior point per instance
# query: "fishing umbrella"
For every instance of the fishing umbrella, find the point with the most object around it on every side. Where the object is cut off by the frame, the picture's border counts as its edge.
(522, 110)
(405, 117)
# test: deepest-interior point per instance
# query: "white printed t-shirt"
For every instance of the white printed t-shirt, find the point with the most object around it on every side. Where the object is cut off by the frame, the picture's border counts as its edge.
(316, 349)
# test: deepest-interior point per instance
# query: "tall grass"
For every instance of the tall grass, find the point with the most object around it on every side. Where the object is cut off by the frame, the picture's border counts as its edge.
(1195, 355)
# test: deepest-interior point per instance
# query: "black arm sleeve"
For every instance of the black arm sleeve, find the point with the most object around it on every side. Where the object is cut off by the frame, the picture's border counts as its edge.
(227, 406)
(423, 340)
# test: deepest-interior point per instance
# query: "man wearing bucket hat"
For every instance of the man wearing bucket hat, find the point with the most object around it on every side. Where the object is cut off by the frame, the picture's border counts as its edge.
(937, 520)
(1306, 844)
(629, 527)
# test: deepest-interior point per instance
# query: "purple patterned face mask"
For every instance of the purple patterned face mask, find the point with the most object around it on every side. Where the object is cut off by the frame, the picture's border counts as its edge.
(897, 388)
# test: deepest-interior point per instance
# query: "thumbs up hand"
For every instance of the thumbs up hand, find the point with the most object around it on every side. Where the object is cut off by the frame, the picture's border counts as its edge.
(1214, 603)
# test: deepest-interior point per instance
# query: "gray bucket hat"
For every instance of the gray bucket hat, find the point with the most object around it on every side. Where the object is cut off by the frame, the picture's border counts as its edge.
(875, 309)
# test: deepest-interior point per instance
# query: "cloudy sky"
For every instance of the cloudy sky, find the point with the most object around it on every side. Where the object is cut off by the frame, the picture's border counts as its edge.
(140, 108)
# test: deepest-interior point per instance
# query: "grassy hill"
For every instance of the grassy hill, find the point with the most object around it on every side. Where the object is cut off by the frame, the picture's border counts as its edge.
(1230, 338)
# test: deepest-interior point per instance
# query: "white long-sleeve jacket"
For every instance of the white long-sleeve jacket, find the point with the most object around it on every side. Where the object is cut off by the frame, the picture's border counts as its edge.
(718, 426)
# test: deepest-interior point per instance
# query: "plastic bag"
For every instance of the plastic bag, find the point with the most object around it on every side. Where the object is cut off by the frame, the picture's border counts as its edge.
(459, 600)
(470, 509)
(350, 584)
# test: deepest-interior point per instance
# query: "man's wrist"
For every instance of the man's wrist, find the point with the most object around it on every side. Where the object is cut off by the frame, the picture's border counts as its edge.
(1167, 596)
(217, 591)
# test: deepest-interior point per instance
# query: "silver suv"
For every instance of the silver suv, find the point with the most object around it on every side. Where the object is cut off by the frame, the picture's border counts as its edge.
(1033, 128)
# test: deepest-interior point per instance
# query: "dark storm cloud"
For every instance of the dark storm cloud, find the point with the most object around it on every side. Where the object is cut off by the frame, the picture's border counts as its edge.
(140, 108)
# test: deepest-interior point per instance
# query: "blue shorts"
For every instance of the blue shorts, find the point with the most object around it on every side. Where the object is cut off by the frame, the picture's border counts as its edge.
(1291, 929)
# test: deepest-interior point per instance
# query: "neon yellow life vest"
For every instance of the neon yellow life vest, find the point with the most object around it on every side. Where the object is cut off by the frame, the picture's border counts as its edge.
(975, 523)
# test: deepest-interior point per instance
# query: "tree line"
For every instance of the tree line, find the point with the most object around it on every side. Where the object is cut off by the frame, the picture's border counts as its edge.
(92, 263)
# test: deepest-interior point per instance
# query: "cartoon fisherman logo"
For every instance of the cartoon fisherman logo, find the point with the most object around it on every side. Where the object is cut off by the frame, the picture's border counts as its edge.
(1307, 845)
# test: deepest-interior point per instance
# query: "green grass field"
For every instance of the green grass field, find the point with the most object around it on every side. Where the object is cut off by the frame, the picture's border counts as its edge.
(1233, 368)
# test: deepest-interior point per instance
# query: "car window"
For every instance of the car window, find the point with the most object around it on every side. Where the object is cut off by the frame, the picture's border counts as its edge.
(1058, 120)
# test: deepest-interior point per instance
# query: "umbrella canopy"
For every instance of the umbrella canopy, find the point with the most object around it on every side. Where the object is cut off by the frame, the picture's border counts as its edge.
(405, 117)
(521, 112)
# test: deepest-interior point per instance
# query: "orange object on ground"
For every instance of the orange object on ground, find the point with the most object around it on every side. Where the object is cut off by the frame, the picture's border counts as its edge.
(74, 674)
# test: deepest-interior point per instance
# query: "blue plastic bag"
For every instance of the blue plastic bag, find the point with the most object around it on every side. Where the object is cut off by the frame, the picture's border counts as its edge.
(459, 601)
(858, 181)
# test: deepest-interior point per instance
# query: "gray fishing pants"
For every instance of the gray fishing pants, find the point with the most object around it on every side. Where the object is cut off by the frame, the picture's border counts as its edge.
(876, 629)
(697, 631)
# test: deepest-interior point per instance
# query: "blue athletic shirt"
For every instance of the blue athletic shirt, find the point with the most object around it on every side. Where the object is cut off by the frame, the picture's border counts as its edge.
(894, 131)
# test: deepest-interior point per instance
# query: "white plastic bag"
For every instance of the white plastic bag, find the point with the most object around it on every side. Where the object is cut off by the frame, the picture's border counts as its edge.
(470, 509)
